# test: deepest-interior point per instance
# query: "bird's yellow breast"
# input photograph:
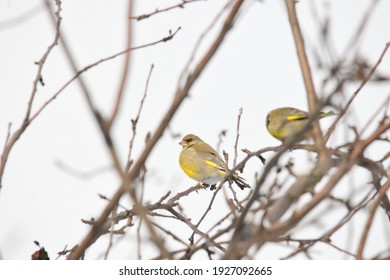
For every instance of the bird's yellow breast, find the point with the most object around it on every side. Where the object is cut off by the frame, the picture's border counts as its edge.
(189, 167)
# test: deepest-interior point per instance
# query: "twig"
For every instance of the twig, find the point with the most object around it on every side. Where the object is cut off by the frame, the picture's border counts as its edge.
(327, 235)
(192, 226)
(231, 251)
(92, 65)
(305, 244)
(205, 213)
(7, 138)
(237, 136)
(351, 213)
(363, 239)
(42, 61)
(143, 177)
(356, 92)
(172, 200)
(219, 233)
(27, 120)
(111, 242)
(174, 236)
(376, 113)
(157, 11)
(134, 122)
(139, 240)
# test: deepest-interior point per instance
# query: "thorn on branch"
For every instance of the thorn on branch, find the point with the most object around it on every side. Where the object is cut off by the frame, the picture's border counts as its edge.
(133, 124)
(164, 197)
(41, 81)
(261, 158)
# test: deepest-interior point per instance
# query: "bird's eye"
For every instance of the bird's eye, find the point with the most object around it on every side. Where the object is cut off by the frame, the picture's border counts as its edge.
(189, 140)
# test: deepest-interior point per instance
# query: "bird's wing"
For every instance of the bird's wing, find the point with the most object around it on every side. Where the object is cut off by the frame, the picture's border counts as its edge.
(210, 156)
(297, 116)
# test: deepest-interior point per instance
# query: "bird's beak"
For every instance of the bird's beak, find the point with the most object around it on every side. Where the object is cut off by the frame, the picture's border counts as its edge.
(183, 143)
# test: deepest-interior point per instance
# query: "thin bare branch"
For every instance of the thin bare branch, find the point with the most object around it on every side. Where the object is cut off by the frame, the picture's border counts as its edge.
(92, 65)
(362, 84)
(38, 78)
(134, 122)
(41, 62)
(158, 11)
(373, 210)
(240, 111)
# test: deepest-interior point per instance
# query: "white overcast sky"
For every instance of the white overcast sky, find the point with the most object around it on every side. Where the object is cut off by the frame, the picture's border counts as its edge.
(256, 69)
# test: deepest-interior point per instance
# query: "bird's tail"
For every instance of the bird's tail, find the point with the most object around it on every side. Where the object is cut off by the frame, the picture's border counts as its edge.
(327, 114)
(241, 182)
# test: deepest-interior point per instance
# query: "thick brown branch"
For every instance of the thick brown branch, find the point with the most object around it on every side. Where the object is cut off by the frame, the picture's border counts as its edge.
(179, 96)
(307, 76)
(126, 66)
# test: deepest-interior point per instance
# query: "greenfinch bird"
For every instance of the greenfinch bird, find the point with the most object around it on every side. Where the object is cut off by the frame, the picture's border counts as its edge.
(284, 123)
(203, 164)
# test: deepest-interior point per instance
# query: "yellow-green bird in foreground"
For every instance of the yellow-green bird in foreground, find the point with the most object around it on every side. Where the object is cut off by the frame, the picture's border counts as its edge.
(284, 123)
(203, 164)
